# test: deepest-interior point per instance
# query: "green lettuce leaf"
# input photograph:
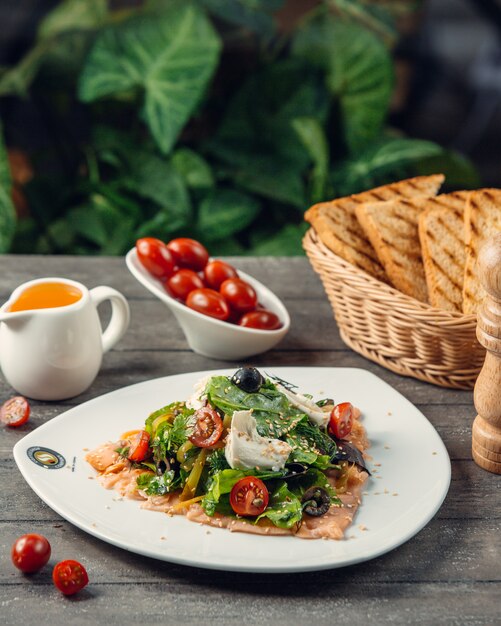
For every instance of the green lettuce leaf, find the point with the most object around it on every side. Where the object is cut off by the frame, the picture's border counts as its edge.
(284, 509)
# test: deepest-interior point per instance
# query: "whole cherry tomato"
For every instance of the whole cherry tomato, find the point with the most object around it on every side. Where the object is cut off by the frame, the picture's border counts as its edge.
(182, 282)
(262, 319)
(189, 253)
(30, 552)
(240, 295)
(69, 577)
(216, 272)
(15, 412)
(208, 427)
(208, 302)
(138, 449)
(341, 420)
(249, 496)
(155, 257)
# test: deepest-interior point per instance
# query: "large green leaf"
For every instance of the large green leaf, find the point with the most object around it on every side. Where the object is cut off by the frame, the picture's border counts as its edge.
(459, 171)
(73, 15)
(7, 211)
(359, 73)
(169, 57)
(225, 212)
(314, 140)
(194, 169)
(372, 15)
(388, 156)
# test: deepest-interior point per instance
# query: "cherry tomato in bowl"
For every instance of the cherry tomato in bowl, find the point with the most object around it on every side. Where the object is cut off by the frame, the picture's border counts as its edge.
(208, 302)
(180, 284)
(30, 553)
(15, 412)
(154, 255)
(261, 320)
(216, 272)
(240, 295)
(189, 253)
(70, 577)
(341, 420)
(249, 496)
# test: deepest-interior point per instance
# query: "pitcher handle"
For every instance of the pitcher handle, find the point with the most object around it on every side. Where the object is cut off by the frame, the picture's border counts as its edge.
(120, 314)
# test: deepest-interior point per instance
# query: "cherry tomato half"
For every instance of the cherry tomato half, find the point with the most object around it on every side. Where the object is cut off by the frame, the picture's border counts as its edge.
(216, 272)
(249, 496)
(208, 428)
(208, 302)
(239, 294)
(138, 449)
(69, 577)
(155, 257)
(182, 282)
(189, 253)
(15, 411)
(30, 553)
(341, 420)
(262, 319)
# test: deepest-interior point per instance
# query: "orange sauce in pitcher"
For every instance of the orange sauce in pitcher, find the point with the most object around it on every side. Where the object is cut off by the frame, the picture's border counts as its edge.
(46, 296)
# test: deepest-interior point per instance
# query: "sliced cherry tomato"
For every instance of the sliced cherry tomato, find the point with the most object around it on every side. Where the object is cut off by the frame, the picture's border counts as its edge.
(208, 428)
(216, 272)
(262, 319)
(249, 496)
(341, 420)
(138, 449)
(69, 577)
(182, 282)
(30, 553)
(239, 294)
(208, 302)
(189, 253)
(155, 256)
(15, 412)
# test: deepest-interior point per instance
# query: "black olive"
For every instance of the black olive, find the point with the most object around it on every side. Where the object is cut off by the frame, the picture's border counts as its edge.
(295, 469)
(162, 467)
(316, 501)
(248, 379)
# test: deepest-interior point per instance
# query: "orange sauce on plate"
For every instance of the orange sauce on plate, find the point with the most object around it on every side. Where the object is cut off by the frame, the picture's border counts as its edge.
(46, 296)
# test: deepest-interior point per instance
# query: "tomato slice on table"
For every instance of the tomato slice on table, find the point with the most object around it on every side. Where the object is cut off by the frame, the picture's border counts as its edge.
(208, 302)
(262, 320)
(216, 272)
(30, 552)
(208, 427)
(15, 412)
(249, 496)
(239, 294)
(139, 447)
(341, 420)
(182, 283)
(69, 577)
(189, 253)
(155, 257)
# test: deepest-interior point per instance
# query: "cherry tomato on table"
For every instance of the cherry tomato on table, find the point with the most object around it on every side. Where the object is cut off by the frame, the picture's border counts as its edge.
(69, 577)
(30, 553)
(249, 496)
(155, 257)
(139, 447)
(239, 294)
(208, 302)
(188, 253)
(208, 428)
(182, 282)
(216, 272)
(262, 319)
(341, 420)
(15, 412)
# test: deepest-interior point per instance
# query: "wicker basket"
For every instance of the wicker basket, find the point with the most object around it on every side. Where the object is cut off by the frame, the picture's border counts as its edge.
(395, 330)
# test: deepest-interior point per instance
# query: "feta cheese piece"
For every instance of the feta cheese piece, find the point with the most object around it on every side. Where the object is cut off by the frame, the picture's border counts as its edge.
(198, 399)
(246, 449)
(312, 410)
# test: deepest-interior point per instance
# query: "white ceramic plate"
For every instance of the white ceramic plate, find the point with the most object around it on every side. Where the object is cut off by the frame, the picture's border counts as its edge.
(404, 493)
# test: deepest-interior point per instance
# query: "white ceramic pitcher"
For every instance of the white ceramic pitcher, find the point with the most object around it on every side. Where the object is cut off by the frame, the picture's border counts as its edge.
(55, 353)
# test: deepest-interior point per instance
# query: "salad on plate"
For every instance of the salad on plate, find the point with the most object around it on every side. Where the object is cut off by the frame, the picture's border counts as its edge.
(248, 453)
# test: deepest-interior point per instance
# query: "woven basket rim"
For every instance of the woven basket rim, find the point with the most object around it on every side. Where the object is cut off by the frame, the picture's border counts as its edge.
(400, 303)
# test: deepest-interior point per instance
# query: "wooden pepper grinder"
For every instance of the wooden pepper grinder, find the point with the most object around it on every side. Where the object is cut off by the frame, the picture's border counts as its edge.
(486, 435)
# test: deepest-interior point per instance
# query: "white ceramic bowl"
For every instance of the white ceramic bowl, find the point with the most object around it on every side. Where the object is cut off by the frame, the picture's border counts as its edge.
(211, 337)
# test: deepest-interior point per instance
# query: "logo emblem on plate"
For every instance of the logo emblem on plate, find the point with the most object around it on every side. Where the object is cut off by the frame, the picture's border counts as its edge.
(45, 457)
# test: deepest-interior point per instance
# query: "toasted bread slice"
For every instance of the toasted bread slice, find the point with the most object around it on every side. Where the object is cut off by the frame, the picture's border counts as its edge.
(482, 220)
(392, 228)
(338, 227)
(441, 232)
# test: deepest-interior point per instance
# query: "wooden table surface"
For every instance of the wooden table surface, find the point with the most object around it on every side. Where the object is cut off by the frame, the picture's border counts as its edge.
(449, 573)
